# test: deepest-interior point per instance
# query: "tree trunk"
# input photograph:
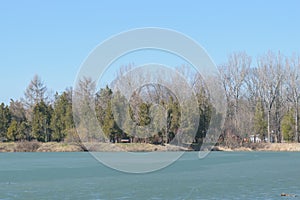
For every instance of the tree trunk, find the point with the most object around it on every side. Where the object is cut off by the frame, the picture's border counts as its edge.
(296, 124)
(269, 134)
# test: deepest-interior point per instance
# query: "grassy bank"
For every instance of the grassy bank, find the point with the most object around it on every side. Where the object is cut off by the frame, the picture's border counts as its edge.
(38, 147)
(73, 147)
(262, 147)
(134, 147)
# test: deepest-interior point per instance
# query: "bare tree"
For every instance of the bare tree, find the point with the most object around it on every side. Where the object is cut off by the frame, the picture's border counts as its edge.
(35, 92)
(293, 89)
(233, 75)
(270, 75)
(17, 110)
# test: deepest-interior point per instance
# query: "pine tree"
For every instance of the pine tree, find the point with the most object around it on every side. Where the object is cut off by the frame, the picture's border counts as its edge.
(84, 108)
(173, 118)
(16, 131)
(130, 126)
(41, 122)
(62, 118)
(119, 108)
(104, 113)
(19, 128)
(288, 126)
(260, 124)
(103, 97)
(5, 119)
(144, 111)
(205, 114)
(109, 124)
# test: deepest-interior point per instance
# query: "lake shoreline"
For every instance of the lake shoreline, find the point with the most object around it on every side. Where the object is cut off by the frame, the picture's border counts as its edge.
(273, 147)
(136, 147)
(76, 147)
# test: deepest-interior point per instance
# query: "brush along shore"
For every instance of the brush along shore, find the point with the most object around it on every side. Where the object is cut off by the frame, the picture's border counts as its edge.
(75, 147)
(34, 146)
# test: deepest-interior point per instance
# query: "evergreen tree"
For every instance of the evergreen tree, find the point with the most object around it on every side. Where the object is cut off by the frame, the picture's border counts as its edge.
(24, 129)
(205, 113)
(103, 97)
(287, 126)
(62, 118)
(173, 118)
(119, 108)
(188, 125)
(104, 112)
(41, 122)
(144, 114)
(16, 131)
(19, 128)
(260, 124)
(12, 131)
(5, 119)
(130, 126)
(84, 108)
(109, 126)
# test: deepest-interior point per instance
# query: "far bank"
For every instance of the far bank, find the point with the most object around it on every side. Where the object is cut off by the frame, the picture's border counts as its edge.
(34, 146)
(291, 147)
(135, 147)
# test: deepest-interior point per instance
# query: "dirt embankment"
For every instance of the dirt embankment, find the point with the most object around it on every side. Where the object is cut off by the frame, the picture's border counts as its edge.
(262, 147)
(133, 147)
(73, 147)
(38, 147)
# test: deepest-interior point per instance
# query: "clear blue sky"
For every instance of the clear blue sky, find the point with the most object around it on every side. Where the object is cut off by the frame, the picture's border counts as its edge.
(52, 38)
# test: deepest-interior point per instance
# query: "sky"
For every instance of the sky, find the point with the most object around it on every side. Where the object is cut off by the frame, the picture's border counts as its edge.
(53, 38)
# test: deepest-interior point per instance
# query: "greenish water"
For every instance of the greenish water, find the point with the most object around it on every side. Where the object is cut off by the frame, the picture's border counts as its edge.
(221, 175)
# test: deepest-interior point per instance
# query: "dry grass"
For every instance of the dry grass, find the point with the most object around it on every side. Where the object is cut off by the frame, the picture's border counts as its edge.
(73, 147)
(7, 147)
(58, 147)
(263, 147)
(282, 147)
(34, 146)
(132, 147)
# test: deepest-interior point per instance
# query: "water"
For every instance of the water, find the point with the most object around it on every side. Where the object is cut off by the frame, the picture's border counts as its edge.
(221, 175)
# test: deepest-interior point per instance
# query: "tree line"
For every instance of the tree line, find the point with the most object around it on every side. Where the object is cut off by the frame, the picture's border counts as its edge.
(262, 100)
(39, 117)
(152, 114)
(262, 97)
